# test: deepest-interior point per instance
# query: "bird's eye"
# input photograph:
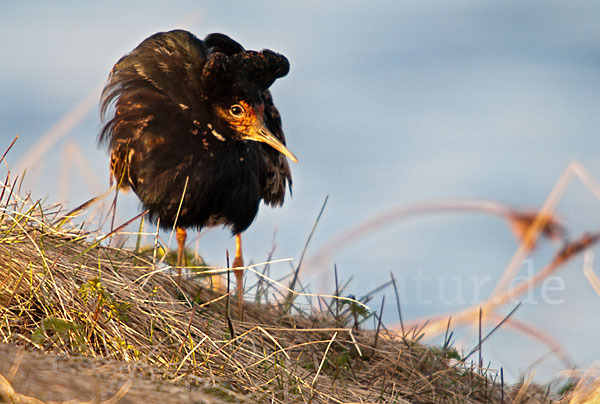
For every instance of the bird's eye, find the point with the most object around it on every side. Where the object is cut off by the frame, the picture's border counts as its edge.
(236, 110)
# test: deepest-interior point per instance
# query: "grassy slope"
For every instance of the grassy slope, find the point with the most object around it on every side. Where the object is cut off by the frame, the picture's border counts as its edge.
(141, 333)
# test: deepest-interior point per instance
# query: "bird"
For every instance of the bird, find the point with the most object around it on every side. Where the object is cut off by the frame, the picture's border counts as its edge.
(194, 132)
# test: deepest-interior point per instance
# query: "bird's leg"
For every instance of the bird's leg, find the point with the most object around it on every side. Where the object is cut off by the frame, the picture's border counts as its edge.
(180, 235)
(238, 270)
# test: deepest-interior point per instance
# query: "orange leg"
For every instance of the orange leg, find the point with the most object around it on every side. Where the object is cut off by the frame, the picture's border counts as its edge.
(238, 263)
(180, 235)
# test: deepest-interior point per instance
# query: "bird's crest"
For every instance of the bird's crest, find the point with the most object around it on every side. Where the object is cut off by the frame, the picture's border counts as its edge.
(261, 68)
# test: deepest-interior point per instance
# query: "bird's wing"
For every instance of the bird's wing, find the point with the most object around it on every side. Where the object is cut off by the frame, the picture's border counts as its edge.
(153, 91)
(119, 164)
(156, 76)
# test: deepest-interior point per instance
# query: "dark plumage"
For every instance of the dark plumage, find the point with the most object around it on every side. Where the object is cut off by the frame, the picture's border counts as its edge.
(166, 129)
(197, 112)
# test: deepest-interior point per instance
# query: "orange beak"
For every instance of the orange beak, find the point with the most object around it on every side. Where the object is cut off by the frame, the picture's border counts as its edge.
(258, 132)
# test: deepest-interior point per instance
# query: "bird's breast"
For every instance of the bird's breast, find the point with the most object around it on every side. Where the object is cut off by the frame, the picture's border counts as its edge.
(207, 182)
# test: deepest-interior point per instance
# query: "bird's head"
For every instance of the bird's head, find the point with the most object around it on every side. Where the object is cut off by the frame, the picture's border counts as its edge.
(247, 120)
(236, 82)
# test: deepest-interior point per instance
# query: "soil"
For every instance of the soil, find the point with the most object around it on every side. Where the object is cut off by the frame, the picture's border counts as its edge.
(53, 378)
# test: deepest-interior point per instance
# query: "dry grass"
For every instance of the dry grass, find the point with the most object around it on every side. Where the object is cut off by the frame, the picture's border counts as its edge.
(530, 226)
(63, 292)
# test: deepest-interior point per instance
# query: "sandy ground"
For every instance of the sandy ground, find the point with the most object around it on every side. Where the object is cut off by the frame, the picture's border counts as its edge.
(57, 379)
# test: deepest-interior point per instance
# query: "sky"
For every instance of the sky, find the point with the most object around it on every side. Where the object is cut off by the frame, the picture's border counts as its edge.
(387, 104)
